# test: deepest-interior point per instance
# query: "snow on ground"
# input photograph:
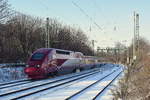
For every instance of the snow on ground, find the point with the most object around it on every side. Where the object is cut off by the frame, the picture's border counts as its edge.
(107, 94)
(98, 87)
(61, 93)
(11, 73)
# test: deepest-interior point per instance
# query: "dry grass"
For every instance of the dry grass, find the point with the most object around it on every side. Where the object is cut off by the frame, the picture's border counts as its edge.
(135, 85)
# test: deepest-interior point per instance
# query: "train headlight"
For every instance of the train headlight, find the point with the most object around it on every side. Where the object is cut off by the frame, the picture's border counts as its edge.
(38, 65)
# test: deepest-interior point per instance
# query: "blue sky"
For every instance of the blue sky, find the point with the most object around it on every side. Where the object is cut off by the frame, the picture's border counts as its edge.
(106, 13)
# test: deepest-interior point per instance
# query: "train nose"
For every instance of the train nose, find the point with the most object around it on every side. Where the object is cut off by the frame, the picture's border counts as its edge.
(30, 70)
(34, 72)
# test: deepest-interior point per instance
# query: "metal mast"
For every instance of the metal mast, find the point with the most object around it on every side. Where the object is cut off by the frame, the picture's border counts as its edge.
(136, 36)
(47, 38)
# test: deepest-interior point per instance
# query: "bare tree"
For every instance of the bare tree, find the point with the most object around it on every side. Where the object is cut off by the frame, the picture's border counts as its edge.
(4, 10)
(135, 83)
(22, 34)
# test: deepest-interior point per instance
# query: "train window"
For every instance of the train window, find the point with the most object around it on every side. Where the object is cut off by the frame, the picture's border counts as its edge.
(62, 52)
(37, 56)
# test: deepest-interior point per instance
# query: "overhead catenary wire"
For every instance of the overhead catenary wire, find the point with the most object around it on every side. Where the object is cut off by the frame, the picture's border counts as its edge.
(48, 9)
(75, 4)
(95, 4)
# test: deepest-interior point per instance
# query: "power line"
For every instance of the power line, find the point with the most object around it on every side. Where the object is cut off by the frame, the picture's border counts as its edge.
(87, 15)
(98, 7)
(52, 10)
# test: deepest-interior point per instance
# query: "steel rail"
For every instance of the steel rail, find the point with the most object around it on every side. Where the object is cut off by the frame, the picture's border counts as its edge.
(50, 87)
(89, 86)
(106, 87)
(27, 88)
(2, 84)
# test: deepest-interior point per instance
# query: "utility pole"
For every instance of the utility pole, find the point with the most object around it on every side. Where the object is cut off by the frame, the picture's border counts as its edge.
(136, 36)
(93, 44)
(47, 38)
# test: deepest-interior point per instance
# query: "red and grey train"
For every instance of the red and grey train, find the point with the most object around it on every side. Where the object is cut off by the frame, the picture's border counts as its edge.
(46, 62)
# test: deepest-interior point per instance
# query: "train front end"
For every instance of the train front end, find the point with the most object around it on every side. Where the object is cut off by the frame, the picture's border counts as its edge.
(35, 73)
(34, 69)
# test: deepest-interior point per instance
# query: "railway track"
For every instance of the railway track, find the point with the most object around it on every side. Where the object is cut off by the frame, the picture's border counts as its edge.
(24, 89)
(12, 82)
(15, 83)
(98, 95)
(81, 92)
(10, 93)
(21, 82)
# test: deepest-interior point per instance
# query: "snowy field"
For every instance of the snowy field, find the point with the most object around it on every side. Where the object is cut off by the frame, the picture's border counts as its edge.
(11, 73)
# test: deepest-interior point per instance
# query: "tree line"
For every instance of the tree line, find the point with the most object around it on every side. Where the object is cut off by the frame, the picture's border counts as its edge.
(21, 34)
(134, 85)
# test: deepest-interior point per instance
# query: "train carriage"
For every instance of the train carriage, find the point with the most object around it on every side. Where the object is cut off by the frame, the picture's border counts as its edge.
(49, 61)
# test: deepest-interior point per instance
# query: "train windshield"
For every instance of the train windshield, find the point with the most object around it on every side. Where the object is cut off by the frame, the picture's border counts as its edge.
(37, 56)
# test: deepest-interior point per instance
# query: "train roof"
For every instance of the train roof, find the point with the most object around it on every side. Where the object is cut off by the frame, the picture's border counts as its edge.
(49, 49)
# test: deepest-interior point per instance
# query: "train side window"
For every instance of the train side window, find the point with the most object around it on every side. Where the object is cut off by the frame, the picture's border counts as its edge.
(62, 52)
